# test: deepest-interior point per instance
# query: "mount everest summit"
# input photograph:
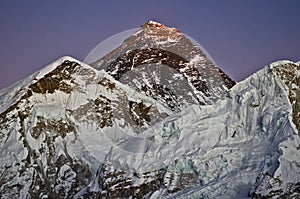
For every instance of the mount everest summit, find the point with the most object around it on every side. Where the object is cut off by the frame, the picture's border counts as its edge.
(163, 63)
(154, 118)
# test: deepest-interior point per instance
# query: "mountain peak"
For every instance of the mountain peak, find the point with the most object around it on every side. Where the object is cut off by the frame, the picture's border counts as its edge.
(156, 24)
(167, 53)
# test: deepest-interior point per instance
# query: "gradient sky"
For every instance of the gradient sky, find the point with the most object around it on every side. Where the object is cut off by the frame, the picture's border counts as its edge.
(241, 36)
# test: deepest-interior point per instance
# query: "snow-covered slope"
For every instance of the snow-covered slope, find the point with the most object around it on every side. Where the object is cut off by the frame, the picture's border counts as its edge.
(226, 150)
(72, 131)
(164, 64)
(55, 122)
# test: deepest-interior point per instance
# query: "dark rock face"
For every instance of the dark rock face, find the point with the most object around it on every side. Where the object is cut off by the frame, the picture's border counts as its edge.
(270, 187)
(153, 58)
(288, 72)
(55, 80)
(138, 57)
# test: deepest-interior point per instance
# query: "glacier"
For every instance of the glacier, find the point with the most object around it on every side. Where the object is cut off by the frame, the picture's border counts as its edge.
(226, 145)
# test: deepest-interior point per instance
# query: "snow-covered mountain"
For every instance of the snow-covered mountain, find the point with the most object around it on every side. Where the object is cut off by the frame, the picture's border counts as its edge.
(72, 131)
(42, 118)
(166, 65)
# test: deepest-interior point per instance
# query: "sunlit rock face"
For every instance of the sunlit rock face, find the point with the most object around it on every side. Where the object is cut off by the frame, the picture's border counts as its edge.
(164, 64)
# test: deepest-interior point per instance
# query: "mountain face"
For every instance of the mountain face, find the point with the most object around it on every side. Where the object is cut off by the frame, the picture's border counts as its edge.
(127, 131)
(164, 64)
(47, 117)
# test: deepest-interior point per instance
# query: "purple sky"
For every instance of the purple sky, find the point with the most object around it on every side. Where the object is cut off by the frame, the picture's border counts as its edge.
(241, 36)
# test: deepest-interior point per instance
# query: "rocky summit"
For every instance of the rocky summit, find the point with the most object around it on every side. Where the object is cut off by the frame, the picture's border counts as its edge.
(164, 64)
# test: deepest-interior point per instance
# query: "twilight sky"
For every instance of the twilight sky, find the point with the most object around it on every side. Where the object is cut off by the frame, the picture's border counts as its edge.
(241, 36)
